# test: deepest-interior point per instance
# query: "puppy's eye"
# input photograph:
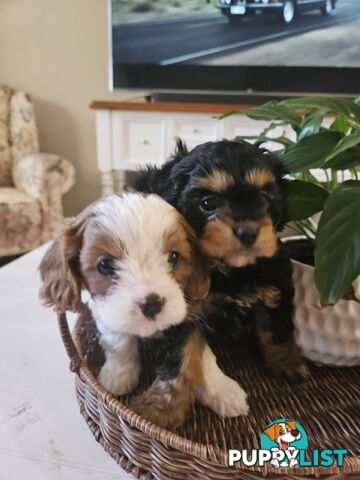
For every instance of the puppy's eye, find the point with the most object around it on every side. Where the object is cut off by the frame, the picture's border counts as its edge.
(106, 267)
(173, 258)
(209, 204)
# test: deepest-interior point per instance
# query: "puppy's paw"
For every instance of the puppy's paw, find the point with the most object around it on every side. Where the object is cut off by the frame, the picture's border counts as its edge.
(225, 397)
(285, 360)
(159, 414)
(163, 404)
(117, 380)
(294, 369)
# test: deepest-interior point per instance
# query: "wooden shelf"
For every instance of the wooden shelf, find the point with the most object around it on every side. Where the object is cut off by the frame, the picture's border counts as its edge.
(167, 106)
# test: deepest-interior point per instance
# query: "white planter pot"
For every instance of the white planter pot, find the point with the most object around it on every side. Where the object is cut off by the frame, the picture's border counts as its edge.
(330, 336)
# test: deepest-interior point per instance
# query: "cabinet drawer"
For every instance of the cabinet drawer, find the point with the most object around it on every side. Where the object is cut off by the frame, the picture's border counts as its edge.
(144, 141)
(193, 130)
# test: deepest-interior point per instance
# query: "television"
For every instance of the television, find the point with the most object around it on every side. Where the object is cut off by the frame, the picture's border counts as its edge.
(256, 47)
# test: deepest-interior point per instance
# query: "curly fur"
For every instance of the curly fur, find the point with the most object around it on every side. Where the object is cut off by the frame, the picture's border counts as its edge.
(247, 183)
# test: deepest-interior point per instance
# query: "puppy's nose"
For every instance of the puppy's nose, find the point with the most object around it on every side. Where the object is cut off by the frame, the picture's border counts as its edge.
(152, 305)
(294, 433)
(247, 236)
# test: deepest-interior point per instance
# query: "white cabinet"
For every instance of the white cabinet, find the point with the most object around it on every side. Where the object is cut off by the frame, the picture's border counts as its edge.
(137, 139)
(130, 136)
(192, 128)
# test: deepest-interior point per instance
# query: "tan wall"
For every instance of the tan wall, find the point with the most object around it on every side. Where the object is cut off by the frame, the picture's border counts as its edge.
(56, 50)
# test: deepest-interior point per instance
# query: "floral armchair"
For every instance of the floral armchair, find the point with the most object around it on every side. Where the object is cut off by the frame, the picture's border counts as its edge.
(31, 183)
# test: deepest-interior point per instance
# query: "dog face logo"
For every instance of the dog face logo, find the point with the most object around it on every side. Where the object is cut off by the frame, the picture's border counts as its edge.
(284, 436)
(283, 433)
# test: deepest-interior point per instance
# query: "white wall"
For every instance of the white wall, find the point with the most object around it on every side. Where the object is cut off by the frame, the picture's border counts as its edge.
(57, 51)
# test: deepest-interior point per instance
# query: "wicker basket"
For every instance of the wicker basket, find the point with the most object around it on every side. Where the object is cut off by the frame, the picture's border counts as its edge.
(327, 406)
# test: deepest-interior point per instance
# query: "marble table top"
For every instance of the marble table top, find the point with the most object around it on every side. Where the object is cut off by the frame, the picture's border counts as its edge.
(42, 434)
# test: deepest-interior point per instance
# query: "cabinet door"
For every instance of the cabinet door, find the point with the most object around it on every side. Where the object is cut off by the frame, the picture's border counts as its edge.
(138, 140)
(192, 129)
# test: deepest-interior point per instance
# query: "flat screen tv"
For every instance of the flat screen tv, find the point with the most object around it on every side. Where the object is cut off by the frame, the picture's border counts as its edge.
(260, 46)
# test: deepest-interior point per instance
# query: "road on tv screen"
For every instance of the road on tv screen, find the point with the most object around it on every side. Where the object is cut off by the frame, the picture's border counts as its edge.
(209, 39)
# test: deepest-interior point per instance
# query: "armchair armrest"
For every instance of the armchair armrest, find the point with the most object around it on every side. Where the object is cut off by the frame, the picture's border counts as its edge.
(40, 174)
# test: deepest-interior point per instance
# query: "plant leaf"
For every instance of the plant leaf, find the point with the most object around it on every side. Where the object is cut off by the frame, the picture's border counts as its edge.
(340, 124)
(304, 200)
(345, 143)
(310, 124)
(326, 105)
(345, 160)
(273, 111)
(310, 152)
(337, 249)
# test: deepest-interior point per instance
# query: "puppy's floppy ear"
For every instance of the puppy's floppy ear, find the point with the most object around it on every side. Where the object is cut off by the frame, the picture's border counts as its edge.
(272, 432)
(60, 269)
(198, 285)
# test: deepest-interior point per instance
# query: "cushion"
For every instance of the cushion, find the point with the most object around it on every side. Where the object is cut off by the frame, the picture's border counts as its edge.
(20, 222)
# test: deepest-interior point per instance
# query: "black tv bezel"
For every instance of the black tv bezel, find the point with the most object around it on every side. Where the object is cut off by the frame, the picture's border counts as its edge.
(202, 79)
(233, 79)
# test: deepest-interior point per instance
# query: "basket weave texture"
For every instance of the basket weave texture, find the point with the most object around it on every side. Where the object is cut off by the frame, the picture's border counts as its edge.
(327, 406)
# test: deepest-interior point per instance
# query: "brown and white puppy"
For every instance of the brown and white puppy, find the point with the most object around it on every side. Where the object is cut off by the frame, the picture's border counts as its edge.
(138, 259)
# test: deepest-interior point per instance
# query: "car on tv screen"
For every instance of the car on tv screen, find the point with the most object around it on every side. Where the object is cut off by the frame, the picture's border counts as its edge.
(285, 10)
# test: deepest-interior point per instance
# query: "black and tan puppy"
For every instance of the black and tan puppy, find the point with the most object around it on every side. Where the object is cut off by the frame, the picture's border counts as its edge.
(232, 194)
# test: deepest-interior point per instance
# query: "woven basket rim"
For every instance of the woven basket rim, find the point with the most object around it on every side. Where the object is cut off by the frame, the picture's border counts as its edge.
(154, 431)
(209, 453)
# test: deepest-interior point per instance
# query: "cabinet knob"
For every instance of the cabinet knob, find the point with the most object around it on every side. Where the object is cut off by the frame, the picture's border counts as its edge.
(195, 130)
(145, 141)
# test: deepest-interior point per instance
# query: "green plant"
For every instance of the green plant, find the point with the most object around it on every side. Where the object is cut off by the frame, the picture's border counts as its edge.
(325, 137)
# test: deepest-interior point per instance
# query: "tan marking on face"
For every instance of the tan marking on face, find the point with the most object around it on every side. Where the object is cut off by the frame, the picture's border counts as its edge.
(96, 245)
(258, 177)
(191, 272)
(266, 243)
(219, 241)
(217, 181)
(167, 402)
